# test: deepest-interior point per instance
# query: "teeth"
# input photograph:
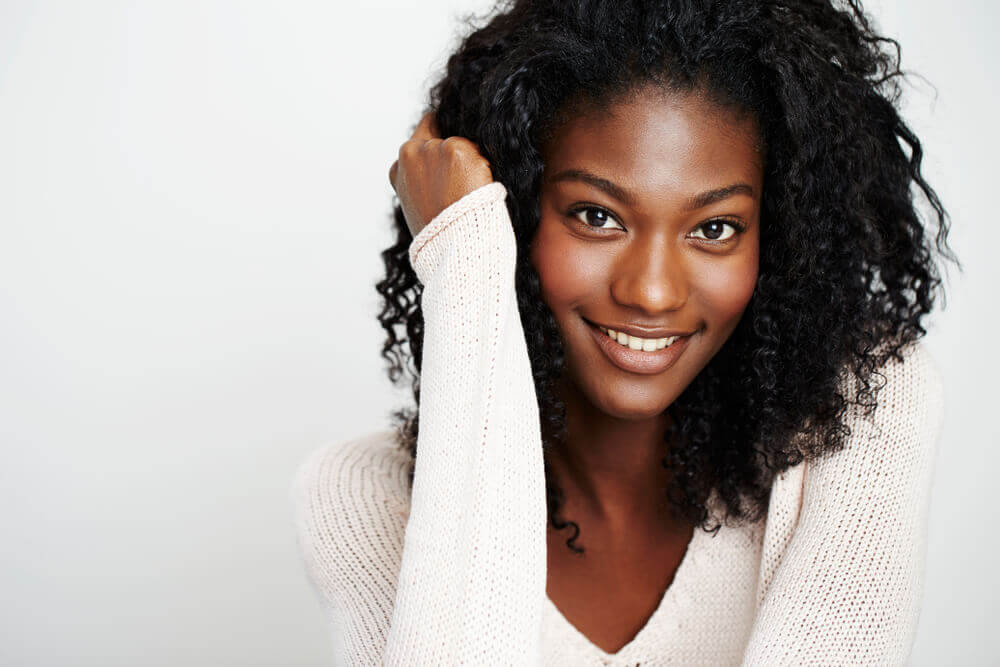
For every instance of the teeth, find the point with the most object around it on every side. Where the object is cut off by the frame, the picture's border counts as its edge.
(636, 343)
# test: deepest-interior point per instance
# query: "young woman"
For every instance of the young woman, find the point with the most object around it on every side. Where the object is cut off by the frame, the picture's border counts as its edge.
(659, 281)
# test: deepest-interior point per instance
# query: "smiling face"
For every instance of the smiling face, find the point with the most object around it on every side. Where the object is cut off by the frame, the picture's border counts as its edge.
(650, 221)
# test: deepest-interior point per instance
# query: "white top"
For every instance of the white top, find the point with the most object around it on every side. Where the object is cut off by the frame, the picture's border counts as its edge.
(456, 571)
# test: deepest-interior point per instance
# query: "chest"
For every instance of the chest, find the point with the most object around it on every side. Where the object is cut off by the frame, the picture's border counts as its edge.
(610, 592)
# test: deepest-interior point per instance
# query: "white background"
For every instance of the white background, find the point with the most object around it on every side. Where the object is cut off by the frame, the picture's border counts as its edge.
(193, 196)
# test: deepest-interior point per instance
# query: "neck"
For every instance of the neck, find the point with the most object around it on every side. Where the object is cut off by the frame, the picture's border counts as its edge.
(611, 468)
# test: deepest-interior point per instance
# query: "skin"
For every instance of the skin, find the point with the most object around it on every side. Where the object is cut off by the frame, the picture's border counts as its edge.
(653, 261)
(432, 172)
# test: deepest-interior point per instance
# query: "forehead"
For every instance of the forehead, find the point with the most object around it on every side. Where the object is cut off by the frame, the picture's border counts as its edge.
(659, 141)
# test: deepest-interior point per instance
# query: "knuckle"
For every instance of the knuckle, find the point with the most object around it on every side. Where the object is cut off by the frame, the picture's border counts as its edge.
(455, 144)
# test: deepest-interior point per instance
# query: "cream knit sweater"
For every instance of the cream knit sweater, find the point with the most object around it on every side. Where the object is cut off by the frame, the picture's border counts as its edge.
(455, 572)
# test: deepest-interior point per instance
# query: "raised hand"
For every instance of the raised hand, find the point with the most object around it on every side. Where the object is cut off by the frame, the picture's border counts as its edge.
(431, 173)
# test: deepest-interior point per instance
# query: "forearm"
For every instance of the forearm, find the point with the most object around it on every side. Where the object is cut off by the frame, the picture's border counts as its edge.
(472, 579)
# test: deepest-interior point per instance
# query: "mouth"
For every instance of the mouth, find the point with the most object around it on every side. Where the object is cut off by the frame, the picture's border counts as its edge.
(644, 356)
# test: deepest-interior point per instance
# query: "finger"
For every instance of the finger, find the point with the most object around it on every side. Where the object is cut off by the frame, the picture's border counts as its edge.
(392, 173)
(427, 128)
(480, 151)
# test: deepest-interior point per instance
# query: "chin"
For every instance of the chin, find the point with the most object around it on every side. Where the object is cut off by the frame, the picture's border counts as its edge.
(636, 398)
(634, 410)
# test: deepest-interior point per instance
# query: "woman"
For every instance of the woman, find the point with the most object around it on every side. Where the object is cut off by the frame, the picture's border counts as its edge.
(660, 274)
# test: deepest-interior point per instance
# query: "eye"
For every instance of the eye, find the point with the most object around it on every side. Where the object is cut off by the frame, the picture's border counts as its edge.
(715, 230)
(595, 217)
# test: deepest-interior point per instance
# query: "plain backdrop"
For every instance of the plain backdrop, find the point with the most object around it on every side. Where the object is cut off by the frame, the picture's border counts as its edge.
(193, 196)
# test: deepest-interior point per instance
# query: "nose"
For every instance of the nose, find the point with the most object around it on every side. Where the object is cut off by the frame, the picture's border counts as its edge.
(651, 277)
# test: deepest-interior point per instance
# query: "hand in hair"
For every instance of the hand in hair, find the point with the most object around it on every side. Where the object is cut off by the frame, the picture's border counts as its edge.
(431, 173)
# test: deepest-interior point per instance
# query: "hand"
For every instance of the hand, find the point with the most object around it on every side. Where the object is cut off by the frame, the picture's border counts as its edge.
(432, 173)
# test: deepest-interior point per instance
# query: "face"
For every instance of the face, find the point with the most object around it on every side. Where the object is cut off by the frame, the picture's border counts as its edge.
(650, 218)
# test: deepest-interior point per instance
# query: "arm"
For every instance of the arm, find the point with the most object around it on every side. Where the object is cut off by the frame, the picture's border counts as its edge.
(350, 503)
(472, 579)
(849, 586)
(466, 583)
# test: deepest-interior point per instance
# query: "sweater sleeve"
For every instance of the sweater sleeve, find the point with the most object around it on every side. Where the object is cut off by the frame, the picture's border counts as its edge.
(452, 571)
(849, 586)
(471, 583)
(350, 502)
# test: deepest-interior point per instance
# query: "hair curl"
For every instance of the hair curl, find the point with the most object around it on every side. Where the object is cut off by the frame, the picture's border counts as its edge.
(846, 271)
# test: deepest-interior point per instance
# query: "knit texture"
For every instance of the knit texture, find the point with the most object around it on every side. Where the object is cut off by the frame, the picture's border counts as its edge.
(455, 572)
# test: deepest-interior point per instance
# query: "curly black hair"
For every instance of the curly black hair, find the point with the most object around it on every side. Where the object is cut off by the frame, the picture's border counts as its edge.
(847, 270)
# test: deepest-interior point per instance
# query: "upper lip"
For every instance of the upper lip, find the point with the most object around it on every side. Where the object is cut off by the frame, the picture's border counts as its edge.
(643, 332)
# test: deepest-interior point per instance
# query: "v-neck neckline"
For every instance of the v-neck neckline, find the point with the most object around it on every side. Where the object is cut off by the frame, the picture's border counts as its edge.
(667, 602)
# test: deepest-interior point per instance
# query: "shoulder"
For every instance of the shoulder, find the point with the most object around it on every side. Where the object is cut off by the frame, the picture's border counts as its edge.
(351, 502)
(339, 470)
(889, 451)
(917, 373)
(891, 447)
(910, 399)
(854, 522)
(350, 478)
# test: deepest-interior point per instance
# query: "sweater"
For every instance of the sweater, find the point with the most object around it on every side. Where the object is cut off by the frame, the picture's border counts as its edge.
(453, 571)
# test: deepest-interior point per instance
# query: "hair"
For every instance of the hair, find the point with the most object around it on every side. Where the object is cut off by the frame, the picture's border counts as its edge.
(846, 269)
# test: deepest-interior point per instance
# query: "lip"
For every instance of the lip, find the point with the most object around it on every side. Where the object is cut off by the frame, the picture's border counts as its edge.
(638, 361)
(640, 331)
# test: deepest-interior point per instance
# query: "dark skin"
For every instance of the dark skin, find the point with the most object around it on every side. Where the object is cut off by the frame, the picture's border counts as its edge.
(657, 258)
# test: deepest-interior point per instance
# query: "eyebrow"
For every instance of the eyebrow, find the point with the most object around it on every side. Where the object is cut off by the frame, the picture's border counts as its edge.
(621, 194)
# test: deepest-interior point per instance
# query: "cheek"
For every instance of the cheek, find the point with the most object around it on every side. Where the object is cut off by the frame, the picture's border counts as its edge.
(567, 272)
(725, 288)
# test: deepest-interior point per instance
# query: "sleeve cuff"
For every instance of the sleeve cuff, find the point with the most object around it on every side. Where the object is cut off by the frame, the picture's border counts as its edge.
(478, 197)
